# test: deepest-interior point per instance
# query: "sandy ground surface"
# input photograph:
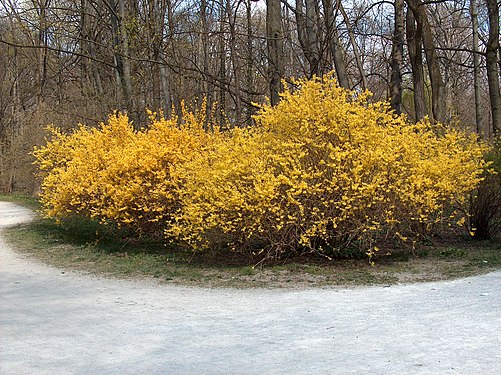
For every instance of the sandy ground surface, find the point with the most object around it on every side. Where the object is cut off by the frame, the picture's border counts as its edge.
(57, 322)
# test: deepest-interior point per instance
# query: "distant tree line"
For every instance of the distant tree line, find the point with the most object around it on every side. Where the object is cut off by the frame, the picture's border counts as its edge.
(65, 62)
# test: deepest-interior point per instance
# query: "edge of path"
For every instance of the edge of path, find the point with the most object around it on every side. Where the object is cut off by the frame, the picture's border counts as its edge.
(15, 214)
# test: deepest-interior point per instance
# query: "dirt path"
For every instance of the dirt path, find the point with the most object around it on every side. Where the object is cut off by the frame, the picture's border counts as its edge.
(66, 323)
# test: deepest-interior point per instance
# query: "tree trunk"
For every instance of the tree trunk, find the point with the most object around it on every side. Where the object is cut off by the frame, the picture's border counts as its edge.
(492, 65)
(222, 66)
(83, 44)
(166, 102)
(127, 80)
(164, 71)
(234, 64)
(356, 51)
(476, 66)
(249, 65)
(438, 95)
(274, 38)
(413, 34)
(205, 47)
(307, 32)
(397, 52)
(155, 33)
(338, 55)
(121, 83)
(42, 51)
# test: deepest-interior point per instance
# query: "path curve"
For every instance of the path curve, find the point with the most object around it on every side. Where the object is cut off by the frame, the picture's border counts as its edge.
(67, 323)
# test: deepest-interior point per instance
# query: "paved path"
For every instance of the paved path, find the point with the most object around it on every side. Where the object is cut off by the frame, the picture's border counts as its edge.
(66, 323)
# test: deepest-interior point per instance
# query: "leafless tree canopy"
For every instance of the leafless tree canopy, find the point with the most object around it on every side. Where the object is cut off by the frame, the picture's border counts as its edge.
(66, 62)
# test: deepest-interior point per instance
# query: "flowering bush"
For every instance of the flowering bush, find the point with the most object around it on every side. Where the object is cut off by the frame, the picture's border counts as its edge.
(320, 170)
(114, 174)
(323, 169)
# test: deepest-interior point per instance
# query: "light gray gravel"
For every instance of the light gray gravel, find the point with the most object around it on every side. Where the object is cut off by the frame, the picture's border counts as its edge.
(66, 323)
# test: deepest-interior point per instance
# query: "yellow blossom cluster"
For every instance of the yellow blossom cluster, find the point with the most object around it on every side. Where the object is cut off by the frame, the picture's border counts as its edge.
(323, 168)
(115, 174)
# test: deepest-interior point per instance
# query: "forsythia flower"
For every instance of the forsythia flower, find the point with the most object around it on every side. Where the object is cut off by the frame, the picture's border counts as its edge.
(321, 169)
(114, 174)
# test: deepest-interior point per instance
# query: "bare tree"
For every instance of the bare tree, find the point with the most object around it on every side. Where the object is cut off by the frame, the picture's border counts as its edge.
(274, 37)
(307, 30)
(121, 51)
(356, 51)
(333, 41)
(436, 80)
(492, 55)
(74, 61)
(476, 66)
(397, 57)
(414, 45)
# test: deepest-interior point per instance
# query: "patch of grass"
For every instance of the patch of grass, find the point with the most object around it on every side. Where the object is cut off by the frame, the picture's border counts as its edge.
(247, 271)
(86, 246)
(57, 246)
(452, 252)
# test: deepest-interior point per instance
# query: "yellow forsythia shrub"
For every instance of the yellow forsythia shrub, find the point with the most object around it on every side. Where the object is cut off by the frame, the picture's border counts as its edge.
(116, 175)
(322, 169)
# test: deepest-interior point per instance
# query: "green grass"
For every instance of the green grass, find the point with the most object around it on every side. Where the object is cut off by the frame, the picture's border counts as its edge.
(86, 246)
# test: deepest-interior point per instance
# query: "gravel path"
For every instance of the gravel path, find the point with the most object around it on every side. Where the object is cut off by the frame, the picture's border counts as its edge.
(67, 323)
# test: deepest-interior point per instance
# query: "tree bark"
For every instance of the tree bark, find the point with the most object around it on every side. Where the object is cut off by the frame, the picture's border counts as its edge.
(306, 16)
(438, 95)
(397, 53)
(476, 66)
(492, 54)
(338, 55)
(356, 51)
(42, 51)
(121, 68)
(205, 50)
(274, 38)
(125, 60)
(155, 32)
(413, 35)
(222, 65)
(249, 65)
(234, 64)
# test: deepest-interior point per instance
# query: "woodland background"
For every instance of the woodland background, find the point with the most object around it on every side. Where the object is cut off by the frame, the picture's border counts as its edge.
(66, 62)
